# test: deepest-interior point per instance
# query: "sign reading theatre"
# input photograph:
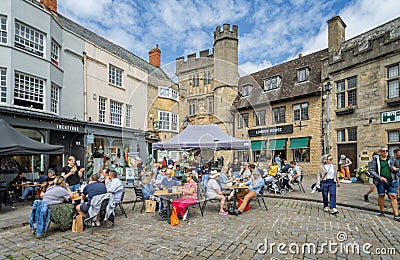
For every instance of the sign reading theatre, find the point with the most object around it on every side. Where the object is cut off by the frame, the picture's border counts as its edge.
(284, 129)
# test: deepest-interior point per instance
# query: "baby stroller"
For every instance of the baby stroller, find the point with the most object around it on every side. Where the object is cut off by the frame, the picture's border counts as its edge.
(275, 184)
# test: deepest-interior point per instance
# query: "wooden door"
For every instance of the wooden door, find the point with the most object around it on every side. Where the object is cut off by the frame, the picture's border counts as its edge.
(350, 150)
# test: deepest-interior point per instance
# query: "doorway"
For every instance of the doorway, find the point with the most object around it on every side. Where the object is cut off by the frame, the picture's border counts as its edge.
(350, 150)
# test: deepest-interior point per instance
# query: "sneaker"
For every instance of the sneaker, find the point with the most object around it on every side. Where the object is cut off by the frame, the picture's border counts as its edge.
(381, 214)
(21, 199)
(98, 223)
(93, 224)
(223, 213)
(326, 209)
(366, 198)
(397, 218)
(334, 211)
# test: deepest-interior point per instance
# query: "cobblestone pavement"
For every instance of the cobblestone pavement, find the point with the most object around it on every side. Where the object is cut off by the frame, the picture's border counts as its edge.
(247, 236)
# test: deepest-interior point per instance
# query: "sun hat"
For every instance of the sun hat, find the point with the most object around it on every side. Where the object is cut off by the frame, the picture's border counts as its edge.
(214, 174)
(343, 157)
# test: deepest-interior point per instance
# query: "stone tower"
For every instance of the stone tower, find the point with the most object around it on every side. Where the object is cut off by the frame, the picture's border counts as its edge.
(225, 74)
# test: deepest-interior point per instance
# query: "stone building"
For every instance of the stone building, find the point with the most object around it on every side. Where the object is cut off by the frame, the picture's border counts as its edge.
(279, 110)
(361, 91)
(208, 83)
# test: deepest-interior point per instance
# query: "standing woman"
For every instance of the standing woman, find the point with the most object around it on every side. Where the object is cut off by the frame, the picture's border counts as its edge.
(72, 174)
(327, 179)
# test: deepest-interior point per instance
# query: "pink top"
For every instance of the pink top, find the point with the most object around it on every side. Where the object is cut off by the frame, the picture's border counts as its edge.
(188, 186)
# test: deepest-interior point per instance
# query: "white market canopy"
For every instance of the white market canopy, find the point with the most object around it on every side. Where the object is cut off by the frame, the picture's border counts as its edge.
(204, 137)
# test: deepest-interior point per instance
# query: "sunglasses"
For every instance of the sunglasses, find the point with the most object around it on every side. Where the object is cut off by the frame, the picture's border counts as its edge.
(384, 151)
(163, 171)
(329, 158)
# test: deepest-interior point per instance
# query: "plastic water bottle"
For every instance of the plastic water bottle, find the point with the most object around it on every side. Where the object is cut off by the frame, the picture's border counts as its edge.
(314, 189)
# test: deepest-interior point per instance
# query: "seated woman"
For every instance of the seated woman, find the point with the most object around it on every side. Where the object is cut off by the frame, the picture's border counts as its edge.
(148, 186)
(57, 197)
(189, 197)
(225, 178)
(214, 191)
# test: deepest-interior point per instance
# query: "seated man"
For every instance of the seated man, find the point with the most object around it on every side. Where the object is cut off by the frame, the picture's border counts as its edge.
(214, 191)
(296, 172)
(255, 185)
(168, 182)
(94, 188)
(33, 190)
(115, 186)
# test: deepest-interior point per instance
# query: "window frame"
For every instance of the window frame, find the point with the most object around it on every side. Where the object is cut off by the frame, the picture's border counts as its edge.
(343, 135)
(302, 111)
(306, 74)
(270, 80)
(55, 99)
(393, 82)
(259, 117)
(166, 92)
(116, 112)
(35, 43)
(352, 136)
(3, 85)
(55, 53)
(128, 115)
(168, 121)
(31, 92)
(3, 30)
(115, 75)
(102, 109)
(242, 122)
(277, 116)
(346, 92)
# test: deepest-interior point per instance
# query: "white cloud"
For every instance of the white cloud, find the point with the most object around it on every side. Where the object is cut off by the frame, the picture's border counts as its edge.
(250, 67)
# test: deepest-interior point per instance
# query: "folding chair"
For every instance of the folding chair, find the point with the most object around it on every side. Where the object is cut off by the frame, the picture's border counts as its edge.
(194, 205)
(260, 196)
(121, 207)
(139, 197)
(298, 183)
(207, 199)
(90, 220)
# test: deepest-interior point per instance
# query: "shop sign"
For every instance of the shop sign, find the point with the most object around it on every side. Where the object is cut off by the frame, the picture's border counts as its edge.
(285, 129)
(390, 117)
(90, 139)
(67, 128)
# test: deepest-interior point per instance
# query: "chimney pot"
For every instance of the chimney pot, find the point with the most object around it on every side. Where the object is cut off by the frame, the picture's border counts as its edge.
(155, 56)
(50, 5)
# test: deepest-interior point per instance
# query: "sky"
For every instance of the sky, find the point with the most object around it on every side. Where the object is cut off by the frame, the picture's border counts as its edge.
(270, 31)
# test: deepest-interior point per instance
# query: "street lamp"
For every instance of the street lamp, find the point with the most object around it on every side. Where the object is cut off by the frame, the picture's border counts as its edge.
(327, 89)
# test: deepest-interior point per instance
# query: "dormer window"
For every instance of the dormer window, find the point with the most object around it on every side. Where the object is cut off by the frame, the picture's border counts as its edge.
(272, 83)
(245, 91)
(302, 74)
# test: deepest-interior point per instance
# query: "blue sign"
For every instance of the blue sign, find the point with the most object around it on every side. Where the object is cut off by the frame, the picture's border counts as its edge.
(90, 139)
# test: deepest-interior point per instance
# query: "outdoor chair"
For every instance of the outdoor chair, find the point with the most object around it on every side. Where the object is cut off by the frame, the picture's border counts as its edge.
(207, 199)
(198, 203)
(139, 197)
(90, 220)
(298, 183)
(260, 196)
(121, 207)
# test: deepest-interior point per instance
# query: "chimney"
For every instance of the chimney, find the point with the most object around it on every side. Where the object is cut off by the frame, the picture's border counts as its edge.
(50, 5)
(336, 34)
(155, 56)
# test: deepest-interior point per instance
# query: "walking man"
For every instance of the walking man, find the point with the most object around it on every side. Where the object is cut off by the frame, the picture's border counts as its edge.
(384, 170)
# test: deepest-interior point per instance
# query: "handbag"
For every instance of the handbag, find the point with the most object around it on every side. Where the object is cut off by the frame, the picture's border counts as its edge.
(77, 224)
(150, 206)
(174, 218)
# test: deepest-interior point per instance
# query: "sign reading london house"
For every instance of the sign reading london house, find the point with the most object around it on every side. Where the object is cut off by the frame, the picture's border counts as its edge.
(283, 129)
(68, 128)
(390, 117)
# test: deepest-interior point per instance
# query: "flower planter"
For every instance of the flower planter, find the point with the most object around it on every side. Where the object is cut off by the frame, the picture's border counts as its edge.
(344, 112)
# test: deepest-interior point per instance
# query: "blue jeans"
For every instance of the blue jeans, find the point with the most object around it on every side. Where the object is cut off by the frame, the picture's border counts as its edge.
(74, 187)
(389, 187)
(28, 190)
(329, 187)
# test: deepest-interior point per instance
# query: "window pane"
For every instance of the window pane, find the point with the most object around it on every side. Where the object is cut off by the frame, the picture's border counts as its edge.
(352, 83)
(301, 155)
(393, 71)
(352, 134)
(340, 86)
(352, 97)
(393, 136)
(393, 88)
(340, 100)
(341, 136)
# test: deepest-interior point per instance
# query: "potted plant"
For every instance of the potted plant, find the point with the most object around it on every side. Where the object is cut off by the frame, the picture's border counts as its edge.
(361, 173)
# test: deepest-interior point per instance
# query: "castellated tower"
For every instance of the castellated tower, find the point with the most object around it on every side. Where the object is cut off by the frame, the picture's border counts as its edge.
(225, 73)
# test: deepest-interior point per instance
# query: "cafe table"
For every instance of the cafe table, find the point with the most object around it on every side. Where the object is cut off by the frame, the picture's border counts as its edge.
(23, 186)
(76, 199)
(166, 196)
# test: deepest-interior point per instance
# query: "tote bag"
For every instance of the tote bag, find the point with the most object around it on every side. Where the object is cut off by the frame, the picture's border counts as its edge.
(150, 206)
(77, 224)
(174, 217)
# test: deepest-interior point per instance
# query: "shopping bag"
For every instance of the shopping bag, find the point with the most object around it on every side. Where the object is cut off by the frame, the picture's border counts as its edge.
(77, 224)
(174, 218)
(247, 208)
(150, 206)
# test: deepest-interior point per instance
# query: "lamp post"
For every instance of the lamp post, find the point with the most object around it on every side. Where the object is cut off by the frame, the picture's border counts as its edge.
(185, 122)
(327, 90)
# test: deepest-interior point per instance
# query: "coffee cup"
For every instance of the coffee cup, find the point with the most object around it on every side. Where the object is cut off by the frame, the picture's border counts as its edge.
(170, 190)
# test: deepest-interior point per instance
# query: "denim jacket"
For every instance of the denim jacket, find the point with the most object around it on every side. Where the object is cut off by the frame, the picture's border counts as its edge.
(41, 216)
(374, 168)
